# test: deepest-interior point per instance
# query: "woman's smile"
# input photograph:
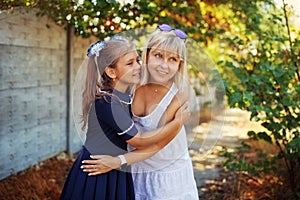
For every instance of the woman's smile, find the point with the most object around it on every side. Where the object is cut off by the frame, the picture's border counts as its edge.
(162, 66)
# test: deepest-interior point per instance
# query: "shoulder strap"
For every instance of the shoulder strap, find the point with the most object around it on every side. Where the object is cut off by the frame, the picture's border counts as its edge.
(166, 100)
(164, 103)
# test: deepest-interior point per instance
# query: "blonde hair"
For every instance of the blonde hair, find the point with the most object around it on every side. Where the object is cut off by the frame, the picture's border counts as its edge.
(167, 41)
(96, 77)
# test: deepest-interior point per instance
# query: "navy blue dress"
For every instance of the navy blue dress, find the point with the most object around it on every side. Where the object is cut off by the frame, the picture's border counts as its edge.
(106, 136)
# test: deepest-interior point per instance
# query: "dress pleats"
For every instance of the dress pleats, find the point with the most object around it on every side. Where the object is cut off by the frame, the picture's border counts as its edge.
(114, 185)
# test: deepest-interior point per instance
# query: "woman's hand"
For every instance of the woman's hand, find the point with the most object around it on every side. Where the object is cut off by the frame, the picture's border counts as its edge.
(100, 164)
(183, 113)
(183, 95)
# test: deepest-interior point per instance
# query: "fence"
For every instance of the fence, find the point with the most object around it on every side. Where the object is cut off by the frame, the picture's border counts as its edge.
(38, 64)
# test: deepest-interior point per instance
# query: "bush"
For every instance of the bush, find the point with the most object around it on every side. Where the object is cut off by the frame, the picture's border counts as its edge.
(264, 63)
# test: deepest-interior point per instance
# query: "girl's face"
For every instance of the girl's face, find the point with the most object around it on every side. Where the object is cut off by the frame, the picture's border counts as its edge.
(162, 66)
(128, 70)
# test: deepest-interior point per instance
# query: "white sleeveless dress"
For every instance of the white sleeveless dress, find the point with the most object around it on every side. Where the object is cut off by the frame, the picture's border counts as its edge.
(167, 175)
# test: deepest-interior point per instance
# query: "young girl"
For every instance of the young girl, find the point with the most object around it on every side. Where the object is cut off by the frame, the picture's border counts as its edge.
(169, 173)
(112, 69)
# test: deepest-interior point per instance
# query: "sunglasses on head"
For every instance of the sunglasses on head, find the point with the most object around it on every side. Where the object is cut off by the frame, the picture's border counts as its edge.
(178, 32)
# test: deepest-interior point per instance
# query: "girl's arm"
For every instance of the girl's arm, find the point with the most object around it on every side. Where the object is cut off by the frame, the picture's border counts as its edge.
(103, 163)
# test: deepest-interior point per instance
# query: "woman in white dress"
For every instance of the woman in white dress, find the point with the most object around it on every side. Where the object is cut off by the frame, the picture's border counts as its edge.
(168, 174)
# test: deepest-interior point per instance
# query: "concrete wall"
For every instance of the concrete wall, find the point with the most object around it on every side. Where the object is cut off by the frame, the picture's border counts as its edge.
(35, 90)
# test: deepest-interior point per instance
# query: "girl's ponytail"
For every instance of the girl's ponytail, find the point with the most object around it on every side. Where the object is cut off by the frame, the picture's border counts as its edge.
(90, 90)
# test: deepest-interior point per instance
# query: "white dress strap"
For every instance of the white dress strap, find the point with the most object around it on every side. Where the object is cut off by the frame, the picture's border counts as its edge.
(151, 120)
(166, 100)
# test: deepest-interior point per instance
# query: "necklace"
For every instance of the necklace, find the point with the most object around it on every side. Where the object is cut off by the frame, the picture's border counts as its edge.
(125, 102)
(155, 90)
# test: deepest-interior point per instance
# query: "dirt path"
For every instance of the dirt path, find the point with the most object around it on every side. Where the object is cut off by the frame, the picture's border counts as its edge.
(226, 129)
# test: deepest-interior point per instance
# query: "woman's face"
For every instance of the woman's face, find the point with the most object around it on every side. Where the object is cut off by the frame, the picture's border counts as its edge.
(162, 66)
(128, 70)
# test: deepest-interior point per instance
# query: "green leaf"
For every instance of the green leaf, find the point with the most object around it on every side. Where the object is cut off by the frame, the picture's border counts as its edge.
(287, 101)
(252, 135)
(267, 67)
(278, 72)
(257, 79)
(248, 96)
(264, 136)
(236, 97)
(220, 62)
(277, 136)
(229, 64)
(294, 143)
(293, 148)
(272, 126)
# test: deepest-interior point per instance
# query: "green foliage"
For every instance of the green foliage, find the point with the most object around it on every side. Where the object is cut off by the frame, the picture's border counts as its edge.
(259, 163)
(103, 18)
(264, 60)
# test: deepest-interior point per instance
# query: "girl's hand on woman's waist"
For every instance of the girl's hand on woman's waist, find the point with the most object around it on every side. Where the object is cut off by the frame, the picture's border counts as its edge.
(100, 164)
